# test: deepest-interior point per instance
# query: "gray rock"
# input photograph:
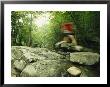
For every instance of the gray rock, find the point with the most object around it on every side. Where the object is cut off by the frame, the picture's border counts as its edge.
(16, 53)
(28, 71)
(74, 71)
(14, 72)
(51, 55)
(19, 64)
(33, 54)
(87, 58)
(37, 62)
(44, 68)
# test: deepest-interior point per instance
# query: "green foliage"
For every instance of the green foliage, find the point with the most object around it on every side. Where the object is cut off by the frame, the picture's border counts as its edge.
(25, 30)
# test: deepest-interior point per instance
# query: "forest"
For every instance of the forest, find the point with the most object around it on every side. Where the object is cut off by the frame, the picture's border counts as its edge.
(42, 29)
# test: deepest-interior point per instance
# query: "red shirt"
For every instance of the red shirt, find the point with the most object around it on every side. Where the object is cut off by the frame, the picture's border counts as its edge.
(67, 27)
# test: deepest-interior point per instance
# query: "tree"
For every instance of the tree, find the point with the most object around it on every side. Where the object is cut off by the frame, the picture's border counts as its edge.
(44, 28)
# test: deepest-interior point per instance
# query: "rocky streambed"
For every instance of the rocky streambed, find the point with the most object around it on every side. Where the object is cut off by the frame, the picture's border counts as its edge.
(42, 62)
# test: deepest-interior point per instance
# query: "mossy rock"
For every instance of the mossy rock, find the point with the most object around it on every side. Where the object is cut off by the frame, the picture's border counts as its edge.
(86, 58)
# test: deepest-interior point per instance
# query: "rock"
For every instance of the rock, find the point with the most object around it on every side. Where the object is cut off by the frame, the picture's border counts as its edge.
(37, 62)
(74, 71)
(51, 55)
(86, 58)
(41, 62)
(28, 71)
(16, 53)
(29, 54)
(43, 68)
(14, 72)
(19, 64)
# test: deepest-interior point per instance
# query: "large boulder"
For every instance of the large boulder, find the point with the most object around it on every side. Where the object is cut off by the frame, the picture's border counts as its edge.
(44, 68)
(37, 62)
(33, 54)
(27, 53)
(86, 58)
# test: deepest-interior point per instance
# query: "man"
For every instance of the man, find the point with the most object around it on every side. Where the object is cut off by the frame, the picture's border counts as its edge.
(67, 29)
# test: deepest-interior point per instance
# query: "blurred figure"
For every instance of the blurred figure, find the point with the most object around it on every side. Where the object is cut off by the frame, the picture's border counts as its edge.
(68, 34)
